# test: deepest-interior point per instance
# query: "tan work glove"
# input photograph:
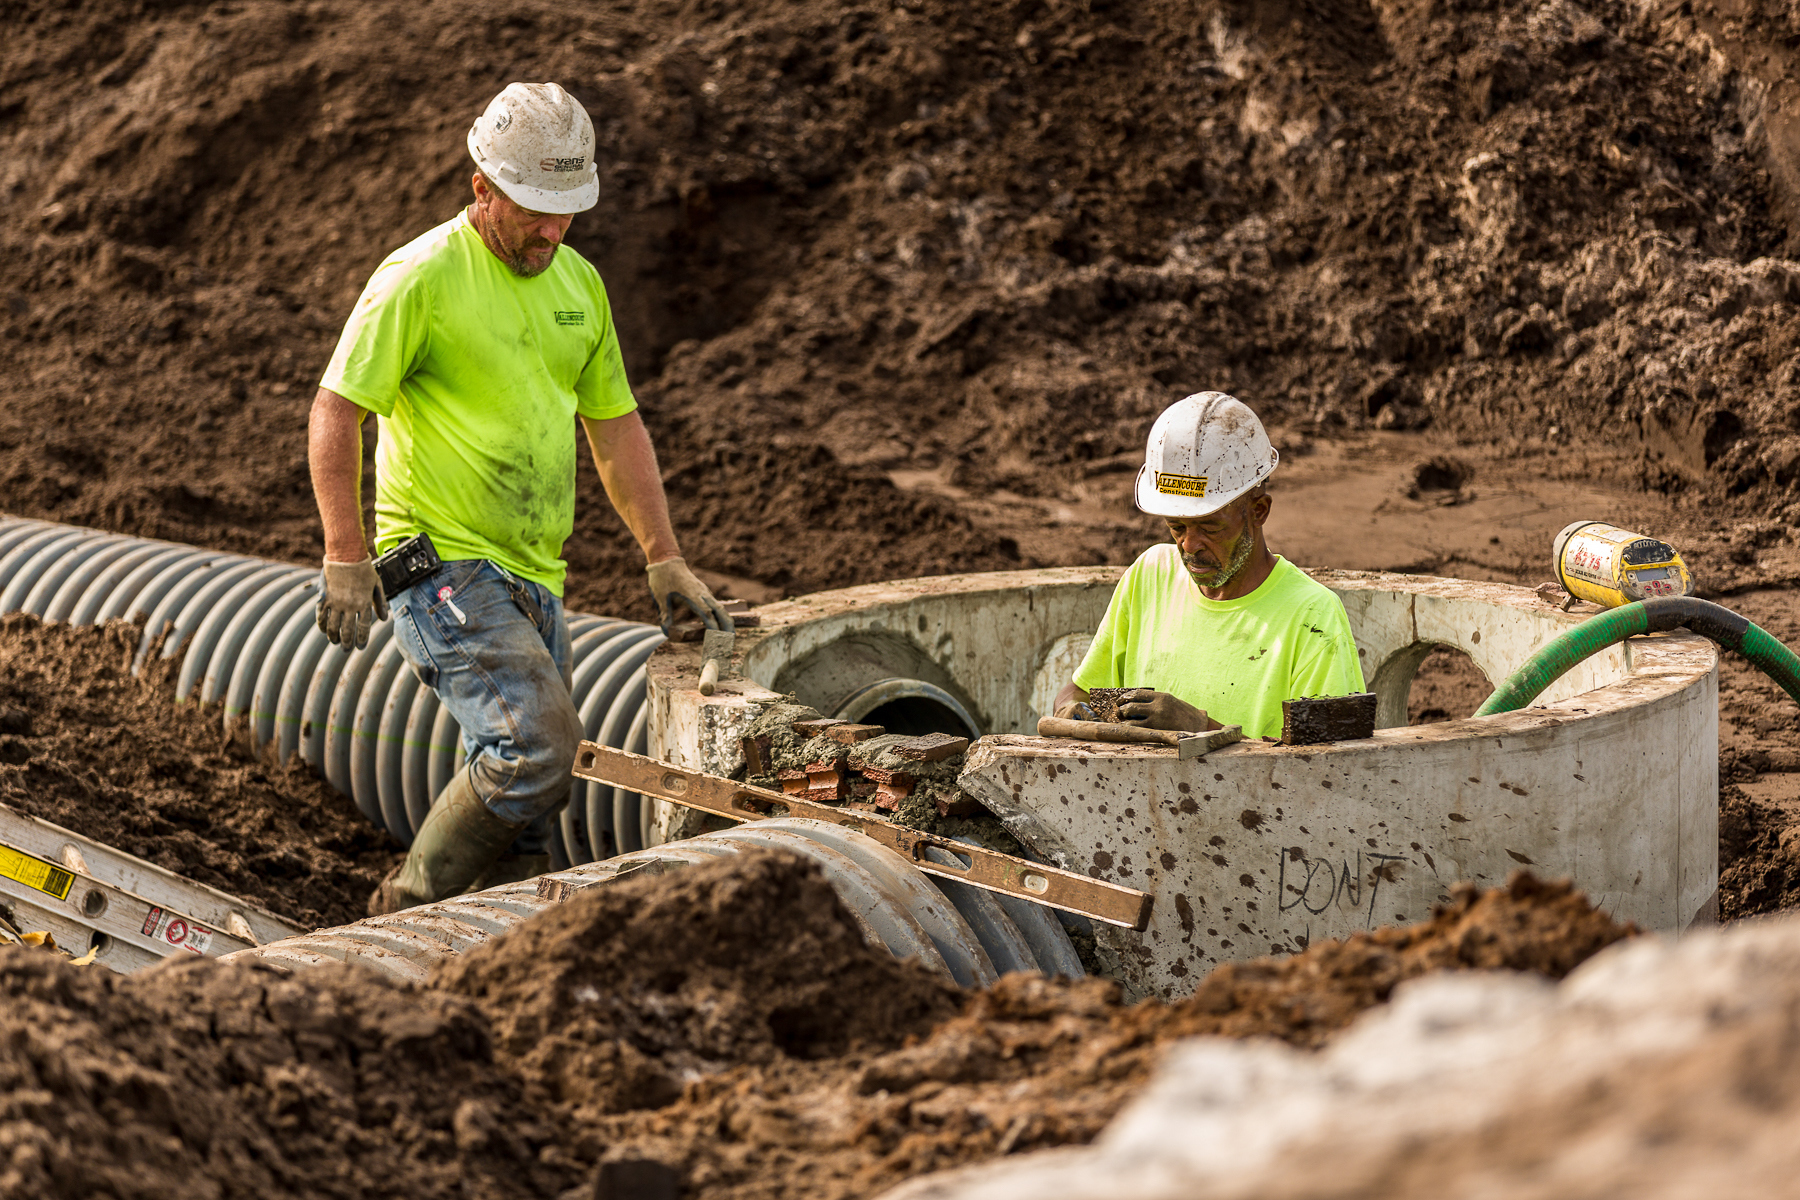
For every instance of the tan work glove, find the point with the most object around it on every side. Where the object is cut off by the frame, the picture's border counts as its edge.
(350, 602)
(670, 580)
(1149, 709)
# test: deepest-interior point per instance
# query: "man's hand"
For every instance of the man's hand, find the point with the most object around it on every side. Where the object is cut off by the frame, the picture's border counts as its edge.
(350, 602)
(1149, 709)
(1072, 704)
(670, 580)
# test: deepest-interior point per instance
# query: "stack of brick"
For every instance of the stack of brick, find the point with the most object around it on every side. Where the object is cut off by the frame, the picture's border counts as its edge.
(846, 766)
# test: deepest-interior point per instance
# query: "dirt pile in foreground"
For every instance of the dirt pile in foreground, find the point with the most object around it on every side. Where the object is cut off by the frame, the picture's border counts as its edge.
(613, 998)
(87, 745)
(199, 1079)
(726, 1022)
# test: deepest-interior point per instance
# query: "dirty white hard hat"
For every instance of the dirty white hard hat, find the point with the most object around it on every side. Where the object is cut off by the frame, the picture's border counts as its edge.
(536, 143)
(1204, 452)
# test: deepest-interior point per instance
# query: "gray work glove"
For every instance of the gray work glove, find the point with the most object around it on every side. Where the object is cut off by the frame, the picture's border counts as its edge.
(670, 580)
(1149, 709)
(350, 602)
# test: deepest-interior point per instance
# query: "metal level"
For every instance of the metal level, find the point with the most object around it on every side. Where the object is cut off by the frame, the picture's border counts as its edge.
(89, 896)
(973, 865)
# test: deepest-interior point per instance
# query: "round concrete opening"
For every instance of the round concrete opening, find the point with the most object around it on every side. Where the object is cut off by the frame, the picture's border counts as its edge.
(909, 706)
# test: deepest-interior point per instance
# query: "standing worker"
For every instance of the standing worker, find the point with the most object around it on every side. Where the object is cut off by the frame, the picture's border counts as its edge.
(478, 344)
(1214, 629)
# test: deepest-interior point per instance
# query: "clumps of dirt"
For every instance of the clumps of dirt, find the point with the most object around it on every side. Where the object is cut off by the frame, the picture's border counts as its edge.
(608, 1001)
(726, 1021)
(1759, 856)
(1032, 1063)
(87, 745)
(1549, 928)
(200, 1078)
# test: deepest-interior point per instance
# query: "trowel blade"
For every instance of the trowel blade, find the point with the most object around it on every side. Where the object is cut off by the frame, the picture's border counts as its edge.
(718, 644)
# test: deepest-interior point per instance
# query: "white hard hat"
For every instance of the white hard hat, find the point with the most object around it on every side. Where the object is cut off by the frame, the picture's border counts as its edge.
(536, 143)
(1204, 452)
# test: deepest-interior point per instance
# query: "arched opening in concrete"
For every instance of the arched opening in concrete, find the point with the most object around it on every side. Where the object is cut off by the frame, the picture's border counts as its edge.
(1448, 686)
(910, 706)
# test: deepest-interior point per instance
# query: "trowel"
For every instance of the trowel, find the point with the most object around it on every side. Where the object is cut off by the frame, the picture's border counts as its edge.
(717, 647)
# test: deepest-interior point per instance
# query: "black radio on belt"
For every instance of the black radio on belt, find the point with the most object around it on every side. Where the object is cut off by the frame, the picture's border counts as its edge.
(406, 564)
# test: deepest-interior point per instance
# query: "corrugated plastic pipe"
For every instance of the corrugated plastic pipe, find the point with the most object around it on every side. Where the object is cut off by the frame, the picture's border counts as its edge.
(1703, 617)
(244, 630)
(963, 933)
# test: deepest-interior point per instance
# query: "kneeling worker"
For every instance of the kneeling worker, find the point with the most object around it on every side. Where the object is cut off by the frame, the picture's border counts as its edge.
(1214, 629)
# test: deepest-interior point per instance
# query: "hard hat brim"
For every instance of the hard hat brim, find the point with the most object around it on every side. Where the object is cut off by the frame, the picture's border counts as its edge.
(560, 204)
(1165, 504)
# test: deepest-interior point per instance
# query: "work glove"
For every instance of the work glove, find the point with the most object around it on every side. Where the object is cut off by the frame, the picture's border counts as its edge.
(350, 602)
(670, 580)
(1074, 709)
(1149, 709)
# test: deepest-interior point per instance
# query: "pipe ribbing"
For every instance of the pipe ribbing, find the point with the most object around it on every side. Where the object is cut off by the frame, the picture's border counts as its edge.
(244, 630)
(896, 905)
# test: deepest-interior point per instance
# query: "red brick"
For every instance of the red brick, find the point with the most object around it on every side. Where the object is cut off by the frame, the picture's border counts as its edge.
(852, 734)
(815, 726)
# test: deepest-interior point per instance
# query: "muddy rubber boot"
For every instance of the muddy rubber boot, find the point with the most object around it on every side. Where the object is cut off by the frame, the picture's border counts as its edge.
(510, 868)
(459, 841)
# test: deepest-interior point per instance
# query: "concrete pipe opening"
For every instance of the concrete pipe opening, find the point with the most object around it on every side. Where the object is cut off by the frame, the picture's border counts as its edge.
(909, 706)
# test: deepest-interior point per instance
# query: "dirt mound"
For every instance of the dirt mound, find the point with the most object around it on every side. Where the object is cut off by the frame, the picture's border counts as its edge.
(968, 248)
(89, 746)
(609, 1000)
(726, 1021)
(202, 1079)
(1530, 925)
(1030, 1063)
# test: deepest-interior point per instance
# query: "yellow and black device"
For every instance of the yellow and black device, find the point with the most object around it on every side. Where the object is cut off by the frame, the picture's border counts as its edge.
(1611, 566)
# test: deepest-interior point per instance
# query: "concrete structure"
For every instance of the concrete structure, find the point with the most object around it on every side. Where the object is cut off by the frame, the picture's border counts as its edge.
(1611, 777)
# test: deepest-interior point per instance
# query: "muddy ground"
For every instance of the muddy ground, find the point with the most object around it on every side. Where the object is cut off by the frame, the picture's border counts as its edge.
(724, 1030)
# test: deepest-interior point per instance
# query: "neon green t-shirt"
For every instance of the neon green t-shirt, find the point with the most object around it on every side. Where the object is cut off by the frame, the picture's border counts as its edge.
(1236, 659)
(477, 376)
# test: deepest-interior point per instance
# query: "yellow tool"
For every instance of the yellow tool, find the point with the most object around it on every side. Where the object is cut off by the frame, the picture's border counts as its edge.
(1611, 566)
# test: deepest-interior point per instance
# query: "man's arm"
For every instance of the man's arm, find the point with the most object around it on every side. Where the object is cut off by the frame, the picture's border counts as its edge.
(334, 454)
(627, 464)
(350, 597)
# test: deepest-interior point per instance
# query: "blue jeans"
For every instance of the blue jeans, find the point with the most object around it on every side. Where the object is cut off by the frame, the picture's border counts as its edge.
(495, 648)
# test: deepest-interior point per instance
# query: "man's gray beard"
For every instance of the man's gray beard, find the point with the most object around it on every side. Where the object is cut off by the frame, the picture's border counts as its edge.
(519, 267)
(1226, 573)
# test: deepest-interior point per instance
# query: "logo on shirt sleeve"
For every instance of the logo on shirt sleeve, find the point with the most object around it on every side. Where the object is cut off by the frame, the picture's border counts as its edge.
(572, 318)
(1180, 485)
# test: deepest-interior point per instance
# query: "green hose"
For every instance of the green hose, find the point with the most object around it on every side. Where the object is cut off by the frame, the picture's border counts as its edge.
(1703, 617)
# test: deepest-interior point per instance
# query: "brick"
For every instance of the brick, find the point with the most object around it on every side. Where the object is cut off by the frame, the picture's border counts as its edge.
(825, 781)
(883, 775)
(852, 734)
(933, 747)
(890, 792)
(815, 726)
(792, 782)
(756, 755)
(959, 805)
